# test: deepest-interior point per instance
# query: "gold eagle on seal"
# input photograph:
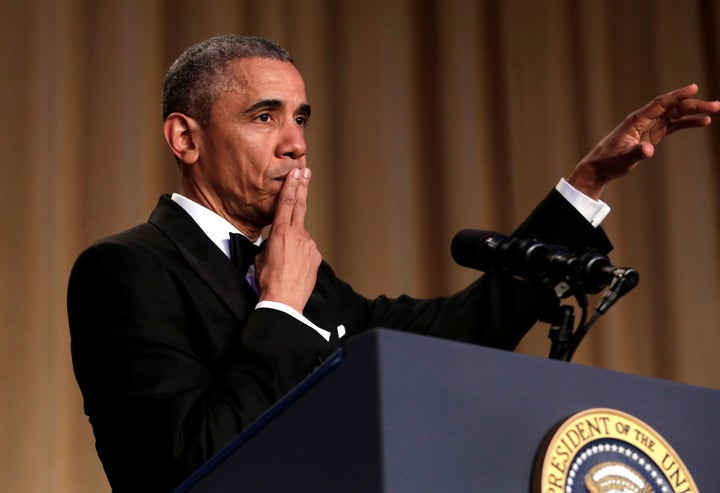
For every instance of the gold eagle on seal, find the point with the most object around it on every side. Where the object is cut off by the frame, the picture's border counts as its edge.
(615, 477)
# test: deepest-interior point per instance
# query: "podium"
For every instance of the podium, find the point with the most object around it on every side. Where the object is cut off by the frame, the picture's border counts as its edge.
(397, 412)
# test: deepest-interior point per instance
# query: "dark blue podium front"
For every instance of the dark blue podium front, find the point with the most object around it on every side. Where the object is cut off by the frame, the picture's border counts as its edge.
(396, 412)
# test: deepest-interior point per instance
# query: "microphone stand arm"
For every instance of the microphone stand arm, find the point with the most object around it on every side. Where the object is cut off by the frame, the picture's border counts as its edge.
(561, 331)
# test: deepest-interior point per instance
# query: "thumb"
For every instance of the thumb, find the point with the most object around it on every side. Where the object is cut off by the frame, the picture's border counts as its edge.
(644, 150)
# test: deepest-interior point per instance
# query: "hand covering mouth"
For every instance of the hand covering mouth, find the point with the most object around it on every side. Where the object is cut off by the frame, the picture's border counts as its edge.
(282, 176)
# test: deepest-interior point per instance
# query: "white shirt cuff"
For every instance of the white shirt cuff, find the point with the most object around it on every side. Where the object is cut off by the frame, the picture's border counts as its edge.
(594, 211)
(274, 305)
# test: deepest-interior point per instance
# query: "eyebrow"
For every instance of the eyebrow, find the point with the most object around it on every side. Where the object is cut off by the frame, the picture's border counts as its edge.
(275, 104)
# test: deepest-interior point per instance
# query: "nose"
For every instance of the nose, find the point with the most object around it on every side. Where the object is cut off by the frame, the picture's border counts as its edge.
(292, 142)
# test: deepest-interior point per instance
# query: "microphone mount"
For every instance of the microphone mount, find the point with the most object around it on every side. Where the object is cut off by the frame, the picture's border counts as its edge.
(556, 269)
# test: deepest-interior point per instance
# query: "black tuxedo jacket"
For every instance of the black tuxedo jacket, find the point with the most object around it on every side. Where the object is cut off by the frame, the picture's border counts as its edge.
(173, 360)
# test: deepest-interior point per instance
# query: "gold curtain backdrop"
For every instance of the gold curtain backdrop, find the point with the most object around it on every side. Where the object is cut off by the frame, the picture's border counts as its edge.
(428, 117)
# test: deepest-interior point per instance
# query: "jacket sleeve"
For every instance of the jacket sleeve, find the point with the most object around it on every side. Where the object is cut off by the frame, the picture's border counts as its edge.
(557, 222)
(497, 309)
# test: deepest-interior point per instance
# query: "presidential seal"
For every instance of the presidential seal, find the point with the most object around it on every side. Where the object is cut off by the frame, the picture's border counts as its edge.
(605, 450)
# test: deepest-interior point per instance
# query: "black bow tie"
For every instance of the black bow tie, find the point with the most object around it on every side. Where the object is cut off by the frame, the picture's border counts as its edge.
(242, 251)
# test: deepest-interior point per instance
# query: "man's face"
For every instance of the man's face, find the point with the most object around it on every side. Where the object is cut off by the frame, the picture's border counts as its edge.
(255, 137)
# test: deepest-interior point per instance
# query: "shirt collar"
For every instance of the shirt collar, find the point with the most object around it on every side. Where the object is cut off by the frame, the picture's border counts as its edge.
(216, 227)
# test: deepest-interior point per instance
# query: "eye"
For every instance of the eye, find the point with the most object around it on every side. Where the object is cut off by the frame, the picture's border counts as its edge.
(264, 118)
(301, 120)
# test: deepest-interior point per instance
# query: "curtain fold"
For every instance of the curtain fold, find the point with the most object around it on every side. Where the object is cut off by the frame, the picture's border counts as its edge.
(428, 117)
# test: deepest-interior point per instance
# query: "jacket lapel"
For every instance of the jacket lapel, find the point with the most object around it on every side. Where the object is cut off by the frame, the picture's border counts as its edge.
(204, 257)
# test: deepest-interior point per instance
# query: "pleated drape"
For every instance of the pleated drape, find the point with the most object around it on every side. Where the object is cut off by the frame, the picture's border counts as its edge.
(428, 117)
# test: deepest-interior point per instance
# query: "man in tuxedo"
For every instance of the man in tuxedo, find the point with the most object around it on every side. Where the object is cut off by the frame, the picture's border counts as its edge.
(182, 336)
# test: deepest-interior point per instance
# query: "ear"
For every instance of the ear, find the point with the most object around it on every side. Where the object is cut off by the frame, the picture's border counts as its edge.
(182, 134)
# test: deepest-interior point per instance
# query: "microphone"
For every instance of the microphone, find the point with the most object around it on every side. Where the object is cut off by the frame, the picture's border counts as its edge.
(489, 251)
(530, 259)
(624, 280)
(598, 272)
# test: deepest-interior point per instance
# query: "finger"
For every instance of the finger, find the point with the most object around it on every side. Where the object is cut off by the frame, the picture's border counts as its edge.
(646, 150)
(689, 122)
(689, 113)
(697, 107)
(300, 208)
(640, 151)
(668, 102)
(286, 198)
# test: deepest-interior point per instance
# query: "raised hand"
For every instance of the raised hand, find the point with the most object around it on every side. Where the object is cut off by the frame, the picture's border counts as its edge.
(637, 135)
(287, 268)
